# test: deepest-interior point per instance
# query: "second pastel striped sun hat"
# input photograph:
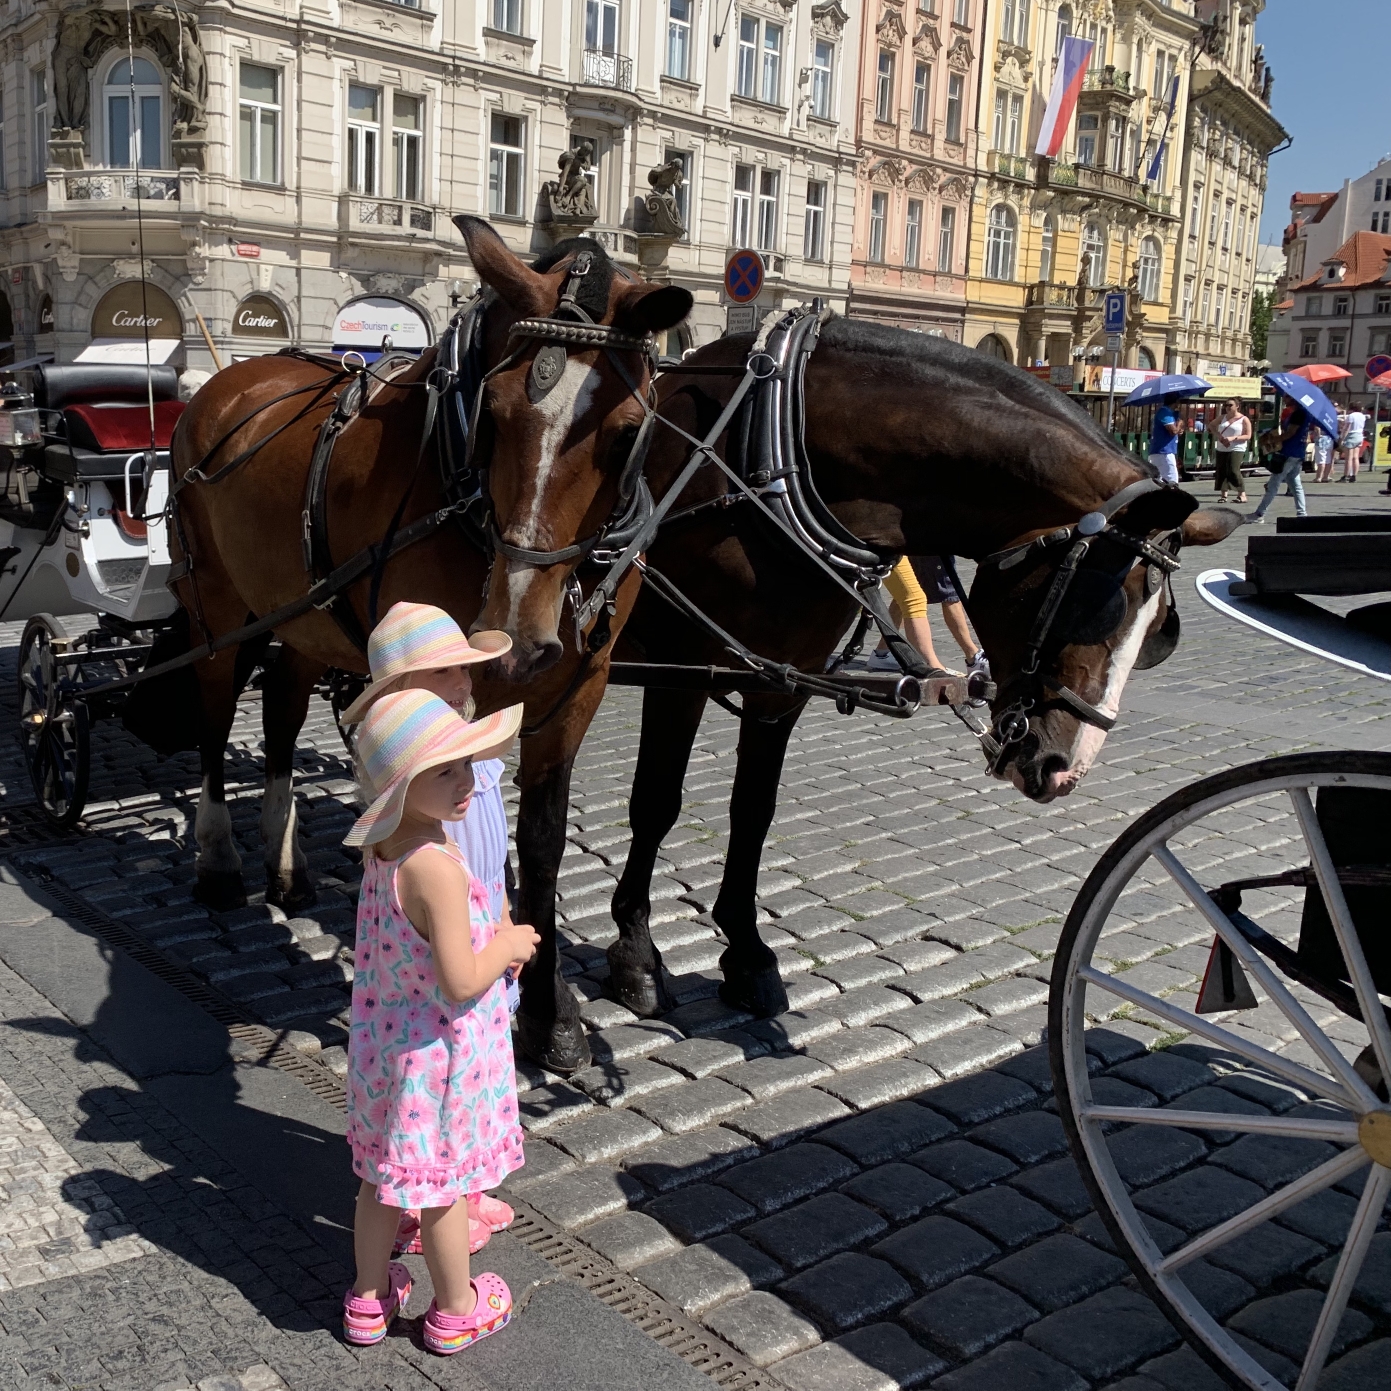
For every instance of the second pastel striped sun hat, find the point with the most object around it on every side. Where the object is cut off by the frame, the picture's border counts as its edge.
(408, 732)
(419, 637)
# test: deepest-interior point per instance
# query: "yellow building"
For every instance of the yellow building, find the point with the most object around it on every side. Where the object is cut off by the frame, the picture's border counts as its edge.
(1049, 237)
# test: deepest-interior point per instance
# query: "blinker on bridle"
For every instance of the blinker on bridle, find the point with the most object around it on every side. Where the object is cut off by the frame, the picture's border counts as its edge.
(1034, 686)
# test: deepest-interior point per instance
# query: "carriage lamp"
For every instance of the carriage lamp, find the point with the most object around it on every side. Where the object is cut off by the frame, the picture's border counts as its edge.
(19, 429)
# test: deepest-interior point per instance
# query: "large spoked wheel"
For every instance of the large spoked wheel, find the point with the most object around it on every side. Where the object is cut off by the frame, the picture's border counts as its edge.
(1304, 1109)
(53, 723)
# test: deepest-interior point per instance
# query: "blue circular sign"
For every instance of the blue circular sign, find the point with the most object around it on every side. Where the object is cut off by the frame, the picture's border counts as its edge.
(743, 276)
(1378, 365)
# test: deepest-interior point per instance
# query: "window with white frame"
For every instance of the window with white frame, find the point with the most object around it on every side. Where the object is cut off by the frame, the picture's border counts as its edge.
(1014, 123)
(1151, 268)
(741, 206)
(1207, 302)
(679, 39)
(961, 12)
(922, 96)
(884, 87)
(1309, 343)
(1221, 304)
(682, 192)
(38, 127)
(956, 96)
(507, 16)
(878, 218)
(1115, 145)
(134, 109)
(946, 239)
(1094, 254)
(746, 64)
(407, 136)
(1337, 342)
(1195, 211)
(601, 25)
(1341, 305)
(823, 57)
(1227, 214)
(1014, 22)
(1187, 298)
(770, 83)
(1313, 304)
(364, 138)
(997, 130)
(1378, 340)
(999, 243)
(913, 233)
(506, 165)
(767, 209)
(1064, 28)
(1214, 213)
(814, 223)
(1382, 303)
(1088, 133)
(259, 121)
(1046, 244)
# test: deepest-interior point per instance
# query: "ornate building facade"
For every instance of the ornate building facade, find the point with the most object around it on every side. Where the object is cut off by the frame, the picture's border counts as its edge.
(1049, 237)
(919, 72)
(1228, 139)
(286, 170)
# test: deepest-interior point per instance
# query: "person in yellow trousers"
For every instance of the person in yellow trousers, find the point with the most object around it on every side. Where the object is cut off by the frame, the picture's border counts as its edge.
(914, 583)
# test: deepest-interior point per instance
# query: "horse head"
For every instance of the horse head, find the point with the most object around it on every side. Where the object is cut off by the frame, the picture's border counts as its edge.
(570, 337)
(1060, 677)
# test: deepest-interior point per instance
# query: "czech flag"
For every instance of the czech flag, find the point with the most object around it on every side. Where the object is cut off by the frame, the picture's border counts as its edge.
(1062, 100)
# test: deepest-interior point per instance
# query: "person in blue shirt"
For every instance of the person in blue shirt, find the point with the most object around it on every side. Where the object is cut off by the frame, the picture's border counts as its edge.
(1164, 441)
(1295, 432)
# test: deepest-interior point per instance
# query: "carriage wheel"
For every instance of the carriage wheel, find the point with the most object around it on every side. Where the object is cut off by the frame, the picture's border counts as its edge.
(1254, 821)
(53, 723)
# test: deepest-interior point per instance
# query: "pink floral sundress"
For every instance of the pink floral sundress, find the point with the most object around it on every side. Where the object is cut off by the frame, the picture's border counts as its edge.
(432, 1097)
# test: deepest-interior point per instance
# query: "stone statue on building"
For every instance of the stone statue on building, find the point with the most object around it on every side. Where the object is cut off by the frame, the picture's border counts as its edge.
(661, 204)
(173, 36)
(82, 35)
(570, 198)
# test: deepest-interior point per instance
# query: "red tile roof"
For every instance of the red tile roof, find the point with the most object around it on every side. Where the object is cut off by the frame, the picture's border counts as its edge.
(1300, 199)
(1364, 253)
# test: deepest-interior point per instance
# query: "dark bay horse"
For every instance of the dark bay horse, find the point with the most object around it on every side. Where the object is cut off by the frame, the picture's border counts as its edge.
(918, 446)
(553, 465)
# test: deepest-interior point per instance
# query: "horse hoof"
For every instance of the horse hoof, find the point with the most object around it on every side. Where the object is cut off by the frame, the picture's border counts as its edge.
(562, 1047)
(636, 985)
(293, 897)
(760, 992)
(220, 890)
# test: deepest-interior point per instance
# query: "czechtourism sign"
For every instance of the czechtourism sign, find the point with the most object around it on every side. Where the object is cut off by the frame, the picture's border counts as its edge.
(363, 323)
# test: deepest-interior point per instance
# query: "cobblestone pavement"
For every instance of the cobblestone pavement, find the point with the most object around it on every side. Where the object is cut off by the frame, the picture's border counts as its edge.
(873, 1191)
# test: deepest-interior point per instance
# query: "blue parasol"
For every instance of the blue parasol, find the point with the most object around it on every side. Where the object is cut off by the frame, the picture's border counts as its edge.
(1179, 384)
(1304, 393)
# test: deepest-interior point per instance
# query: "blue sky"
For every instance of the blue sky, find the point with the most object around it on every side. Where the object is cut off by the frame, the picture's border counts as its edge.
(1330, 59)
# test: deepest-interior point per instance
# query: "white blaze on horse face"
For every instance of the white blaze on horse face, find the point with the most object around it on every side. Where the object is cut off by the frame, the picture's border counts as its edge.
(561, 409)
(1087, 744)
(212, 829)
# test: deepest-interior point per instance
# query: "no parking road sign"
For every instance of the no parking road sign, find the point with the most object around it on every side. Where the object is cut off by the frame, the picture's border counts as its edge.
(743, 276)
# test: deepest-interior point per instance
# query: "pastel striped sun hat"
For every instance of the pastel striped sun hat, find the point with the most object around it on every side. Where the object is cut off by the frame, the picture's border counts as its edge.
(408, 732)
(419, 637)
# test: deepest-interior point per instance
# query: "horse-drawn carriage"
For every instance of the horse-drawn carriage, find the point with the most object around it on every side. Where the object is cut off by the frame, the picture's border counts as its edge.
(84, 461)
(1284, 867)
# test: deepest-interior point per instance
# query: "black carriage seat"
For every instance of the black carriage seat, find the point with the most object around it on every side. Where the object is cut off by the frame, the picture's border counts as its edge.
(54, 385)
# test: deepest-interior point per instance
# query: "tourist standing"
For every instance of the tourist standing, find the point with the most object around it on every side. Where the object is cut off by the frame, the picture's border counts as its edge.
(1296, 425)
(1230, 444)
(1350, 443)
(1164, 437)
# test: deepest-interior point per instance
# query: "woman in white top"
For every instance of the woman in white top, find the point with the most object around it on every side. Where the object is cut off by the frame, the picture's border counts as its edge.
(1350, 445)
(1233, 436)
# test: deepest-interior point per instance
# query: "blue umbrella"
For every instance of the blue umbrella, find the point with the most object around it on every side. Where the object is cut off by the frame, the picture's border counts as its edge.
(1304, 393)
(1179, 384)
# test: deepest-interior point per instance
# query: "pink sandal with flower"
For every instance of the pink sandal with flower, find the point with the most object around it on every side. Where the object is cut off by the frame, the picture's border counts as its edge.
(486, 1215)
(365, 1321)
(491, 1211)
(447, 1334)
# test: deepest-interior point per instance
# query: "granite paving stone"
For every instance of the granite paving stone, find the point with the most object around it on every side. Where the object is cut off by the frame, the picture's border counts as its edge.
(681, 1159)
(1286, 1321)
(1004, 1215)
(689, 1107)
(700, 1210)
(878, 1357)
(854, 1048)
(1027, 1138)
(604, 1136)
(1016, 1366)
(707, 1274)
(968, 1316)
(763, 1327)
(1199, 1199)
(630, 1239)
(773, 1181)
(886, 1132)
(767, 1077)
(616, 1083)
(847, 1290)
(809, 1232)
(869, 1087)
(787, 1118)
(936, 1249)
(1058, 1186)
(964, 1165)
(1057, 1271)
(1104, 1335)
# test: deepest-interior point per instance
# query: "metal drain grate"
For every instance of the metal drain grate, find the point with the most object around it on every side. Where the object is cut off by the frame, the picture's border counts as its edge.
(662, 1322)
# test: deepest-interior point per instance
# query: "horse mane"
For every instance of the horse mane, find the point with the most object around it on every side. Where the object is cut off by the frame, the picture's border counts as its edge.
(593, 296)
(966, 368)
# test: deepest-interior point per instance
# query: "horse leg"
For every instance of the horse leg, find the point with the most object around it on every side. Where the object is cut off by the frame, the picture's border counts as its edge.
(670, 721)
(219, 885)
(284, 703)
(751, 979)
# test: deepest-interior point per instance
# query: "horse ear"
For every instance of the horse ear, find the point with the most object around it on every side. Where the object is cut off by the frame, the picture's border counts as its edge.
(1211, 525)
(652, 308)
(519, 287)
(1160, 510)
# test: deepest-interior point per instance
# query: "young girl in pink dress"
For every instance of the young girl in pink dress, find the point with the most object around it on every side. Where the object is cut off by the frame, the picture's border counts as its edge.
(432, 1105)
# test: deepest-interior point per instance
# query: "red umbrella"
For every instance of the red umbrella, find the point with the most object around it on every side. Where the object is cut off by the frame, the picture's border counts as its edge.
(1320, 372)
(1381, 383)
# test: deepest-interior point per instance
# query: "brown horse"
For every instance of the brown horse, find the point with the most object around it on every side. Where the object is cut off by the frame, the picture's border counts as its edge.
(552, 478)
(918, 446)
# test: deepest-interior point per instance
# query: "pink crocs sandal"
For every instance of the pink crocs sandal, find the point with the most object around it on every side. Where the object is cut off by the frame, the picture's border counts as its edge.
(408, 1234)
(365, 1321)
(447, 1334)
(491, 1211)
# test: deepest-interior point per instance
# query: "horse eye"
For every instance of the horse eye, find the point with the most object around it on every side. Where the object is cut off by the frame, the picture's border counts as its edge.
(622, 445)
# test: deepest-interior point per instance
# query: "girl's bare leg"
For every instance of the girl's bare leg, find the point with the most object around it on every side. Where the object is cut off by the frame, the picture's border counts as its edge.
(374, 1230)
(444, 1235)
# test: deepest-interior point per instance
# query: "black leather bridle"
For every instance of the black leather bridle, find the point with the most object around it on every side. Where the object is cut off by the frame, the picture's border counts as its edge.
(1031, 686)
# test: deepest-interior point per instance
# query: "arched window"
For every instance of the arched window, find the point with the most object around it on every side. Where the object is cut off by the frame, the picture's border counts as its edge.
(1144, 359)
(1150, 265)
(999, 244)
(1064, 27)
(1045, 258)
(134, 107)
(992, 345)
(1094, 254)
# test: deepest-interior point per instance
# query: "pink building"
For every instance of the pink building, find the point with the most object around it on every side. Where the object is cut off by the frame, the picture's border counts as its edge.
(915, 133)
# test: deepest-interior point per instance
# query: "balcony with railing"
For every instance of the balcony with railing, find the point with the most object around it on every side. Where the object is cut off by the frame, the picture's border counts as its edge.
(1044, 294)
(358, 212)
(1091, 179)
(605, 69)
(1008, 166)
(107, 189)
